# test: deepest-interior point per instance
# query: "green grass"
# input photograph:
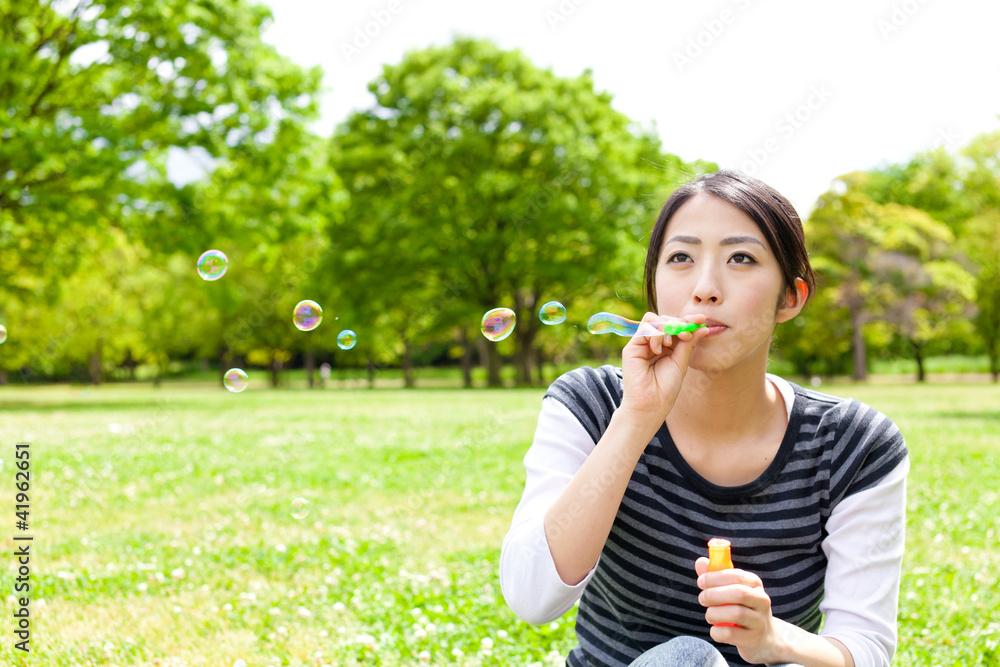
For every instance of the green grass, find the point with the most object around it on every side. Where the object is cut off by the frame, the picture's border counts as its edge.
(163, 533)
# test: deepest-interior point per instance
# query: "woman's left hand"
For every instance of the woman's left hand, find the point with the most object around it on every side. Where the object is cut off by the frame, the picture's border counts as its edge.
(737, 596)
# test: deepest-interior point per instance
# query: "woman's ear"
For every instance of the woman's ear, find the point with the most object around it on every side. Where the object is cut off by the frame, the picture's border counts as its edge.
(795, 299)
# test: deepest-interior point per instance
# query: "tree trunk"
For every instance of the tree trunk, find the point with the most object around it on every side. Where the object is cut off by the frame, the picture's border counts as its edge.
(3, 377)
(540, 366)
(858, 343)
(408, 380)
(372, 372)
(129, 363)
(491, 359)
(310, 366)
(918, 354)
(524, 307)
(275, 371)
(466, 359)
(225, 357)
(994, 354)
(95, 363)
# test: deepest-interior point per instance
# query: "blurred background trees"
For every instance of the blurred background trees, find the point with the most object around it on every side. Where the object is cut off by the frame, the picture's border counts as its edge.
(474, 180)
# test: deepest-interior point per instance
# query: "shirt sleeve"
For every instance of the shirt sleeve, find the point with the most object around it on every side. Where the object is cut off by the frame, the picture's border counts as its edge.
(528, 578)
(864, 550)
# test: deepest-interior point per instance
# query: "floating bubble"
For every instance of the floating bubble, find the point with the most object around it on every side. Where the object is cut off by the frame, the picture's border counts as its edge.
(498, 323)
(307, 315)
(648, 330)
(236, 380)
(601, 323)
(212, 264)
(300, 508)
(3, 334)
(347, 339)
(552, 312)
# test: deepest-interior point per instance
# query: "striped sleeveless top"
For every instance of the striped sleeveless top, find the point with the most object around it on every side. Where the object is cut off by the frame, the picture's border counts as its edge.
(643, 591)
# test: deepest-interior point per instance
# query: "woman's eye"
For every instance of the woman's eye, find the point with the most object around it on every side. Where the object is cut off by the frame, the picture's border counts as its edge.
(742, 258)
(678, 257)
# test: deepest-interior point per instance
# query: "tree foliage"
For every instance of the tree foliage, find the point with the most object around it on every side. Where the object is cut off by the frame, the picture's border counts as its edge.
(889, 263)
(478, 176)
(95, 98)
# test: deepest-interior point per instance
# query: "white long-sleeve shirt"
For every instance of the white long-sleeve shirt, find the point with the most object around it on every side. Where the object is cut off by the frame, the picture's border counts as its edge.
(849, 540)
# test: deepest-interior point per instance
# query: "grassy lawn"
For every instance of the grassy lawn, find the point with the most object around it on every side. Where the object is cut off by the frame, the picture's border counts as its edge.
(164, 536)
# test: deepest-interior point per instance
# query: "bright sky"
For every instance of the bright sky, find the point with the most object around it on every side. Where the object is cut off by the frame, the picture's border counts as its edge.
(794, 92)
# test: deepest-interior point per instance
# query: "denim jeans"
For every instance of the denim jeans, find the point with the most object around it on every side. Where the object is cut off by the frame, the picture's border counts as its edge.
(683, 652)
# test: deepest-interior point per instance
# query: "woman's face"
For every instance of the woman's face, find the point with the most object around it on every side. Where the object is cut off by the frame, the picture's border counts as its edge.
(715, 261)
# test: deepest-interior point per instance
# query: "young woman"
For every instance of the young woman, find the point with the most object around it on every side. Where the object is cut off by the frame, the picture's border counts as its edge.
(633, 469)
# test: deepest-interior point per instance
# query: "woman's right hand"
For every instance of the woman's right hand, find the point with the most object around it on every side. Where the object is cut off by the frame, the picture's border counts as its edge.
(653, 368)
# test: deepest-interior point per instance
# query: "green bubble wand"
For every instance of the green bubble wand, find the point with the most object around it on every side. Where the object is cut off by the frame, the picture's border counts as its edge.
(602, 322)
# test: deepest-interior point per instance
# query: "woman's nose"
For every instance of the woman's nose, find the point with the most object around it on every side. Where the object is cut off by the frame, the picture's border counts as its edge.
(707, 289)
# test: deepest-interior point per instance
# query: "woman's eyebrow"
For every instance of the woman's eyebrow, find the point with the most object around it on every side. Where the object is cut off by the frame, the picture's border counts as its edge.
(736, 240)
(729, 240)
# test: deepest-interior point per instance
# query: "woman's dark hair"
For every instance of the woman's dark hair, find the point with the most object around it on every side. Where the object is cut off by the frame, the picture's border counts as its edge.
(771, 212)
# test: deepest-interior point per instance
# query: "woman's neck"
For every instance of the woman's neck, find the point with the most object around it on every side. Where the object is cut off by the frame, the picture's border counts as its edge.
(725, 407)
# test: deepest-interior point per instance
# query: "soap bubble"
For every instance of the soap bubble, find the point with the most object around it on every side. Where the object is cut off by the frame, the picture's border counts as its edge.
(552, 312)
(346, 339)
(307, 315)
(236, 380)
(212, 264)
(498, 323)
(300, 508)
(3, 334)
(648, 330)
(600, 323)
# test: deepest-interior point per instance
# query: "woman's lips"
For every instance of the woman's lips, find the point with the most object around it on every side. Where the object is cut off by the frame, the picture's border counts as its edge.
(715, 328)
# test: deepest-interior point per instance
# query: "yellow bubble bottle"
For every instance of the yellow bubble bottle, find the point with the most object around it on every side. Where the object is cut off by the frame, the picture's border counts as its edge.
(719, 558)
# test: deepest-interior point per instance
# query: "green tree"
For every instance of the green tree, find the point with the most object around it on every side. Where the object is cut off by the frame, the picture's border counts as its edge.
(478, 175)
(931, 181)
(981, 238)
(962, 190)
(95, 97)
(889, 262)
